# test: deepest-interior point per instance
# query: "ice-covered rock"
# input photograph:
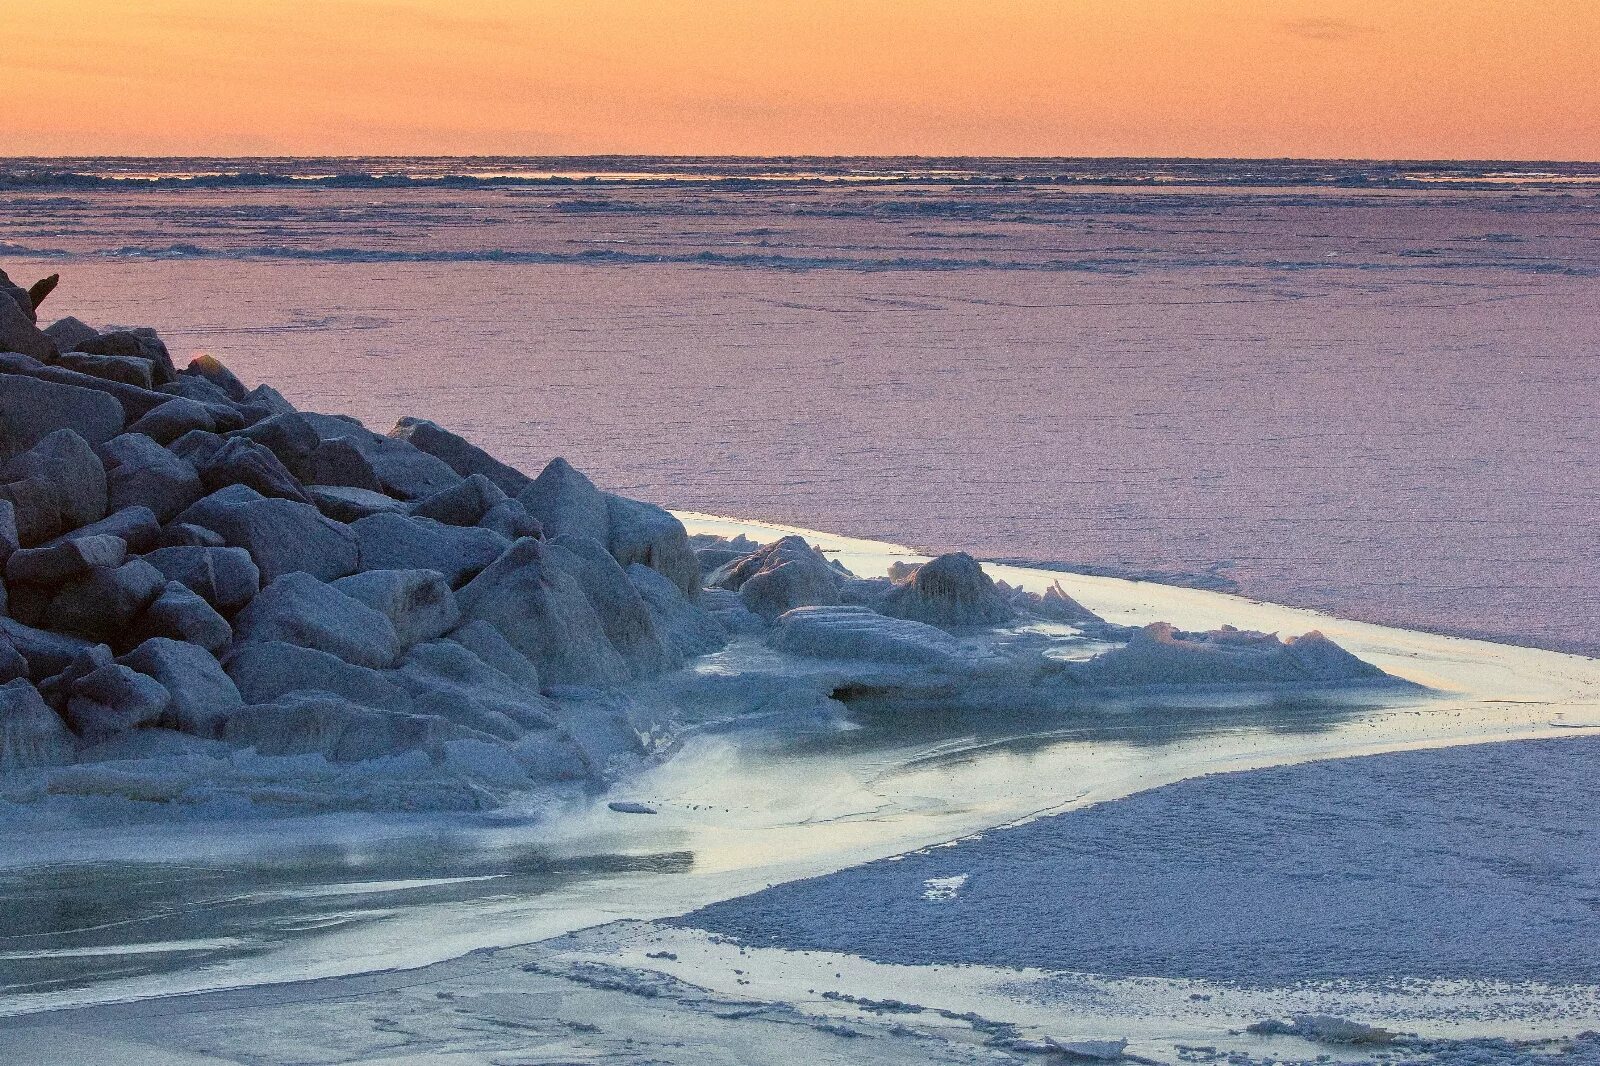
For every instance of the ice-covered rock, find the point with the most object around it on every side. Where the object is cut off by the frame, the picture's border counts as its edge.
(226, 578)
(687, 629)
(202, 696)
(299, 609)
(785, 574)
(566, 503)
(340, 731)
(400, 542)
(31, 734)
(419, 603)
(1160, 655)
(267, 670)
(31, 409)
(461, 456)
(623, 616)
(444, 678)
(951, 591)
(113, 699)
(644, 533)
(282, 536)
(860, 634)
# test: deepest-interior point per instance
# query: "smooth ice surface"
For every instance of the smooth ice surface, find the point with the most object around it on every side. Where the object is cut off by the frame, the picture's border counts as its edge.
(1354, 387)
(1479, 863)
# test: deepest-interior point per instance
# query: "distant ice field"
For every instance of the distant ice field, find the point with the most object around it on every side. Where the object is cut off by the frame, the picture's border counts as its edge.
(1363, 388)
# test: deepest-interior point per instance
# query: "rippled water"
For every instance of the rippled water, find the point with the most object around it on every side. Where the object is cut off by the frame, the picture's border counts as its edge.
(1366, 388)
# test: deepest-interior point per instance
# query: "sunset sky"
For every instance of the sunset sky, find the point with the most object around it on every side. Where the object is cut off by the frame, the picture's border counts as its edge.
(1345, 78)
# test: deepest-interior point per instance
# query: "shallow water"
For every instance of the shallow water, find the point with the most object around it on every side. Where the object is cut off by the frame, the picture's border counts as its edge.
(1362, 388)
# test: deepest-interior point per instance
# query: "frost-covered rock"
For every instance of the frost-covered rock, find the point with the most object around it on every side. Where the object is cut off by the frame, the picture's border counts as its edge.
(340, 731)
(202, 696)
(623, 616)
(446, 679)
(267, 670)
(419, 603)
(785, 574)
(463, 457)
(1160, 654)
(282, 536)
(113, 699)
(226, 578)
(31, 734)
(299, 609)
(400, 542)
(566, 503)
(644, 533)
(687, 629)
(951, 591)
(860, 634)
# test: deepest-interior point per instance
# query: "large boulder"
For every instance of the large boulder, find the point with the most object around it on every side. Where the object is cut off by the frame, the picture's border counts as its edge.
(114, 699)
(290, 437)
(68, 333)
(134, 526)
(400, 542)
(340, 731)
(202, 695)
(141, 473)
(268, 670)
(337, 462)
(226, 578)
(31, 734)
(130, 370)
(19, 332)
(685, 627)
(55, 563)
(103, 603)
(542, 610)
(343, 503)
(644, 533)
(56, 486)
(403, 469)
(462, 504)
(627, 622)
(32, 409)
(282, 536)
(47, 653)
(446, 679)
(566, 503)
(464, 458)
(951, 591)
(174, 419)
(180, 613)
(211, 368)
(785, 574)
(299, 609)
(511, 520)
(489, 645)
(419, 603)
(863, 635)
(244, 462)
(141, 343)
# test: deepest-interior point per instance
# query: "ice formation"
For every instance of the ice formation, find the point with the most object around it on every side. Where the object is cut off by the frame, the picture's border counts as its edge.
(205, 588)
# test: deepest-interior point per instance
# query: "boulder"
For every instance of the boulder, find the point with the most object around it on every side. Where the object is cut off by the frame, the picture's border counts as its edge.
(135, 402)
(462, 504)
(268, 399)
(179, 613)
(299, 609)
(627, 622)
(114, 699)
(289, 437)
(211, 368)
(402, 469)
(419, 603)
(951, 591)
(785, 574)
(130, 370)
(31, 734)
(21, 298)
(201, 391)
(47, 653)
(141, 473)
(345, 504)
(542, 610)
(244, 462)
(282, 536)
(464, 458)
(566, 503)
(511, 520)
(56, 486)
(140, 343)
(68, 333)
(684, 626)
(399, 542)
(12, 663)
(338, 730)
(339, 463)
(57, 688)
(202, 695)
(134, 526)
(1161, 655)
(184, 535)
(487, 643)
(268, 670)
(856, 633)
(645, 533)
(32, 409)
(102, 603)
(173, 419)
(9, 541)
(55, 563)
(226, 578)
(18, 333)
(446, 679)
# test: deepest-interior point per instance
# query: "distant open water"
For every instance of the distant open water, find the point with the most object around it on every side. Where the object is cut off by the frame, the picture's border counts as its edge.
(1367, 388)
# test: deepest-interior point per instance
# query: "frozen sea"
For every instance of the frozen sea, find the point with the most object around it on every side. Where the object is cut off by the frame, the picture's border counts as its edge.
(1366, 388)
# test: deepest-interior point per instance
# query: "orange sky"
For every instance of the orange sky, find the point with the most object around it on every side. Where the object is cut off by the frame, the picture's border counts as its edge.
(1357, 78)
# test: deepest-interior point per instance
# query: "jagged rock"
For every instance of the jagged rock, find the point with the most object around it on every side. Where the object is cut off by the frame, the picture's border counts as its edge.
(226, 578)
(786, 574)
(268, 670)
(135, 402)
(282, 536)
(58, 687)
(856, 633)
(47, 653)
(197, 446)
(31, 734)
(40, 290)
(543, 612)
(298, 609)
(184, 535)
(269, 399)
(566, 503)
(202, 696)
(645, 533)
(141, 473)
(113, 699)
(211, 368)
(61, 560)
(102, 603)
(446, 679)
(202, 392)
(340, 731)
(18, 333)
(128, 369)
(464, 458)
(344, 504)
(9, 540)
(951, 591)
(289, 437)
(489, 645)
(683, 626)
(141, 343)
(32, 409)
(402, 469)
(181, 614)
(511, 520)
(244, 462)
(419, 603)
(1161, 654)
(56, 486)
(12, 663)
(17, 295)
(339, 463)
(134, 526)
(462, 504)
(399, 542)
(627, 622)
(68, 333)
(173, 419)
